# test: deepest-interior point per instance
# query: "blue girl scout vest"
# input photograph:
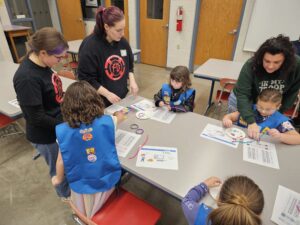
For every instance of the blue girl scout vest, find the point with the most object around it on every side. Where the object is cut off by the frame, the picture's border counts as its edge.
(89, 155)
(166, 92)
(272, 122)
(203, 212)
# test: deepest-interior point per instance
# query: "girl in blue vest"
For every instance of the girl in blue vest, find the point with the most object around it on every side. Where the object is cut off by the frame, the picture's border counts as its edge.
(177, 96)
(268, 118)
(240, 202)
(87, 155)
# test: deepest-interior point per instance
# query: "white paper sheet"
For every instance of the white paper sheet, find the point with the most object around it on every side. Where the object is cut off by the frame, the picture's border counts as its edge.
(144, 105)
(286, 209)
(125, 141)
(217, 133)
(262, 153)
(158, 157)
(163, 115)
(14, 103)
(113, 108)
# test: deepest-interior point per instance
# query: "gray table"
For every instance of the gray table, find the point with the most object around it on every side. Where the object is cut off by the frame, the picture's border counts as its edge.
(216, 69)
(7, 92)
(200, 158)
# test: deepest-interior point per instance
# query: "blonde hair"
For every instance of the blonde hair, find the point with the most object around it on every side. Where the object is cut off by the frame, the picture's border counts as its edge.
(241, 202)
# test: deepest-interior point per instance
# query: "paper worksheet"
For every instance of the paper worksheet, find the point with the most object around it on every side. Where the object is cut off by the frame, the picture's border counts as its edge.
(144, 105)
(163, 115)
(286, 209)
(158, 157)
(113, 108)
(262, 153)
(217, 133)
(125, 141)
(14, 103)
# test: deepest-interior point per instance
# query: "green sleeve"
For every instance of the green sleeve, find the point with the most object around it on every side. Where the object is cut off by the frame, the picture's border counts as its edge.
(289, 97)
(243, 92)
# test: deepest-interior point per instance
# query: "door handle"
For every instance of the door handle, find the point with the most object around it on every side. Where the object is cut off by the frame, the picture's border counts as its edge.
(234, 31)
(80, 20)
(165, 26)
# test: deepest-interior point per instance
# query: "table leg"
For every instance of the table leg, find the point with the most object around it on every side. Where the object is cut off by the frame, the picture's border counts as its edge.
(210, 96)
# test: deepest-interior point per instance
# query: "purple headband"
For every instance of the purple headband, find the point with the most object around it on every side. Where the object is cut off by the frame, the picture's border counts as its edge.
(58, 50)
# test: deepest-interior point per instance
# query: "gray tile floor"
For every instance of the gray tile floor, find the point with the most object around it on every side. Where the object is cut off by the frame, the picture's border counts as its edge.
(27, 196)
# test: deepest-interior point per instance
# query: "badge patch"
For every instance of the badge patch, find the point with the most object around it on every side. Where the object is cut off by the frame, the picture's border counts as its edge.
(123, 52)
(92, 158)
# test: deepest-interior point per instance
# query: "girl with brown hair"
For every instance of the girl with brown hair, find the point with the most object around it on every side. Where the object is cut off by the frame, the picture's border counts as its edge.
(240, 202)
(39, 92)
(87, 151)
(177, 96)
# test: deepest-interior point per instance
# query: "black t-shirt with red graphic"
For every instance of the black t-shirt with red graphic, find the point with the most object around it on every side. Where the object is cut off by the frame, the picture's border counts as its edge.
(39, 92)
(105, 64)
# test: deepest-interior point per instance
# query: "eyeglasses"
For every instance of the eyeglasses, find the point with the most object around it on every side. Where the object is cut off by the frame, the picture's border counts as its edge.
(59, 57)
(262, 110)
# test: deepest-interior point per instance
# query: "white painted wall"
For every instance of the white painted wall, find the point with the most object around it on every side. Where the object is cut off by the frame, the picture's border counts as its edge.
(132, 23)
(241, 55)
(89, 26)
(179, 43)
(54, 14)
(5, 53)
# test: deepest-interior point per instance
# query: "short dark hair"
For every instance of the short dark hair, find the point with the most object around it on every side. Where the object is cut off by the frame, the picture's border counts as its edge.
(181, 74)
(275, 45)
(81, 104)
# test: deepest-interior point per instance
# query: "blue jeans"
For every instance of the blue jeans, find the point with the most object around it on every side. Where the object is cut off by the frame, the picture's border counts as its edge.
(50, 152)
(232, 103)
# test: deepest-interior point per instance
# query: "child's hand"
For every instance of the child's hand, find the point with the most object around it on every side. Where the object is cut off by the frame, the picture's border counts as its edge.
(169, 107)
(227, 122)
(55, 181)
(161, 104)
(274, 133)
(212, 182)
(254, 131)
(120, 116)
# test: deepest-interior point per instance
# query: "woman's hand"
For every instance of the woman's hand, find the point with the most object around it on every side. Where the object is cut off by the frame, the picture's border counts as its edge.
(254, 131)
(112, 98)
(212, 182)
(133, 85)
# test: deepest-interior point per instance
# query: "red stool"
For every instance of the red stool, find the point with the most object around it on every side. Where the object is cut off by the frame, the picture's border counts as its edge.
(4, 122)
(123, 208)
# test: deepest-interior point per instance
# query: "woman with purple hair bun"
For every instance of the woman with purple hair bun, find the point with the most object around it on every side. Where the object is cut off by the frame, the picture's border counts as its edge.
(105, 57)
(39, 93)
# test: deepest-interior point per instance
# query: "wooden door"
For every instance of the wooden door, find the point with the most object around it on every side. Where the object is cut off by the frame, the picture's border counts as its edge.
(218, 25)
(124, 6)
(154, 32)
(71, 20)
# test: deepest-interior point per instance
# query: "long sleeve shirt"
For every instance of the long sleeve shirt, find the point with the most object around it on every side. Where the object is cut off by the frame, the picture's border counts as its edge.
(190, 202)
(249, 85)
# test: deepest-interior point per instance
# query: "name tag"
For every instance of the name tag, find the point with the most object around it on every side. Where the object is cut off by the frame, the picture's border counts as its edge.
(123, 52)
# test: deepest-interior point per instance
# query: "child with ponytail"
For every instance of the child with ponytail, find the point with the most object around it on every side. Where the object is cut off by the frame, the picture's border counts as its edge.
(240, 202)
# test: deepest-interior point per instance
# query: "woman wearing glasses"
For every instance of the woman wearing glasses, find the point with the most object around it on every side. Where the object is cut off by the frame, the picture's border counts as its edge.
(274, 65)
(105, 57)
(39, 92)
